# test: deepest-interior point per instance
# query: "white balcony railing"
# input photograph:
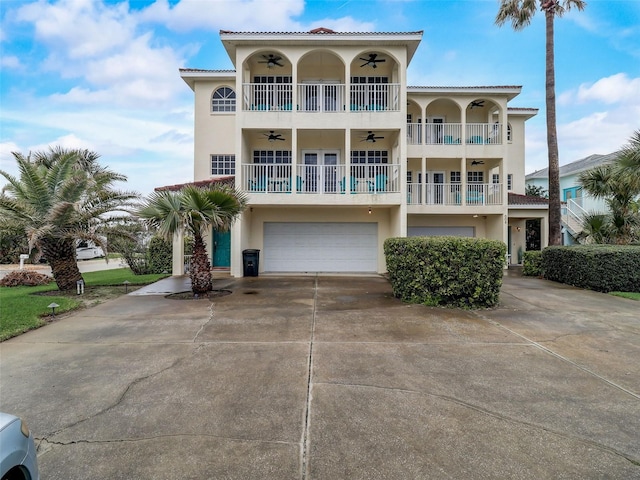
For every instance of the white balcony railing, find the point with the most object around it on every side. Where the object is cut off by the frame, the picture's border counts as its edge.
(484, 133)
(267, 96)
(443, 133)
(450, 194)
(375, 97)
(321, 179)
(414, 133)
(321, 97)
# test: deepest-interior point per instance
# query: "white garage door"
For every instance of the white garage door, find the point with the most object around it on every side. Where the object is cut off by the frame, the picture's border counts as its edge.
(320, 247)
(435, 231)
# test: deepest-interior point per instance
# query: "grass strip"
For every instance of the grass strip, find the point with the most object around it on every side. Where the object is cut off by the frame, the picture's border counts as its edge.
(22, 310)
(631, 295)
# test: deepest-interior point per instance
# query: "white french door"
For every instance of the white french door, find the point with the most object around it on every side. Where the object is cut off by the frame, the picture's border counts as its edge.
(435, 187)
(320, 171)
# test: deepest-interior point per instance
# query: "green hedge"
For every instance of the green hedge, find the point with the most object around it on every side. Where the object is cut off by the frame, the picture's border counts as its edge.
(604, 268)
(451, 271)
(532, 263)
(160, 255)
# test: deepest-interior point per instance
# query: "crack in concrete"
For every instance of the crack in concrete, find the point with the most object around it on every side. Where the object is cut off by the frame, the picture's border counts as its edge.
(45, 445)
(203, 326)
(111, 406)
(559, 356)
(491, 413)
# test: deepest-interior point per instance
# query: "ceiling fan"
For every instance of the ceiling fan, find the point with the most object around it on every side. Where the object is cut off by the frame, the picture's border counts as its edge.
(477, 103)
(371, 137)
(372, 60)
(272, 136)
(271, 60)
(477, 162)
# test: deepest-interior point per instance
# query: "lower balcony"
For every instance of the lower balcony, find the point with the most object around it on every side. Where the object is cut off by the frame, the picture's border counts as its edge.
(476, 194)
(321, 179)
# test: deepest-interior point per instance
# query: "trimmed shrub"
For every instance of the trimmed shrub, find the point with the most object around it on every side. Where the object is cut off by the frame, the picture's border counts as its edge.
(603, 268)
(532, 265)
(160, 255)
(451, 271)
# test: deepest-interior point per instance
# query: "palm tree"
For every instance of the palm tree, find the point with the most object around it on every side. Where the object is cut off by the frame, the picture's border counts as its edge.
(194, 210)
(520, 13)
(61, 196)
(620, 189)
(629, 158)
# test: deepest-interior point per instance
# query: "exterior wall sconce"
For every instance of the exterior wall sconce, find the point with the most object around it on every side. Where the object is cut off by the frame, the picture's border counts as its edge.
(369, 210)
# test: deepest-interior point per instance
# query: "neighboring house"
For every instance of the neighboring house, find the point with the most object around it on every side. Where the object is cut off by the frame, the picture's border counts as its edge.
(336, 153)
(576, 202)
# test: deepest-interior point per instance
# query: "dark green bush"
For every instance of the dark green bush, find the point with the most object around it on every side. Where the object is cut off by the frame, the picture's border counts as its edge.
(532, 265)
(604, 268)
(160, 255)
(451, 271)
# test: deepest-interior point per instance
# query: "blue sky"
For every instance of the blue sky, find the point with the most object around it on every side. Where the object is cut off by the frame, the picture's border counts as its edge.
(103, 74)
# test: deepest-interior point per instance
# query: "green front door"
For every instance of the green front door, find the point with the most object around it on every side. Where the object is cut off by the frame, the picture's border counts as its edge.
(221, 249)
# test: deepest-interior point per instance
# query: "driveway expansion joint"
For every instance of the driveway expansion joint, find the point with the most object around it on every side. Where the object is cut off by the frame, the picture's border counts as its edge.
(493, 414)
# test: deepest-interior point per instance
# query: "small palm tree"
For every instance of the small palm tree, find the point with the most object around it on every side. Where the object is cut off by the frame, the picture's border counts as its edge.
(520, 13)
(620, 189)
(194, 210)
(62, 196)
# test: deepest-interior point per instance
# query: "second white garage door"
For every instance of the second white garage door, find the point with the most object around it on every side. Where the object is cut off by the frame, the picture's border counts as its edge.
(320, 247)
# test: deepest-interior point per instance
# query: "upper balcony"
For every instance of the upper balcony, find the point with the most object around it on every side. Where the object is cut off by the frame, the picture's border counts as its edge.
(452, 134)
(321, 97)
(286, 183)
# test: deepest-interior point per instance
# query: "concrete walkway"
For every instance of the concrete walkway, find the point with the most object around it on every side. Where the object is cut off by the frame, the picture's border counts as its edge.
(332, 378)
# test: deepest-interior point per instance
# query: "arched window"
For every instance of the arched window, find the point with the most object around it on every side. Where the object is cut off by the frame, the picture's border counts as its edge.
(223, 100)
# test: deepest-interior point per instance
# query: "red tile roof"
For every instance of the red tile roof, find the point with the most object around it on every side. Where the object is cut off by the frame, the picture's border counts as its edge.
(517, 199)
(200, 183)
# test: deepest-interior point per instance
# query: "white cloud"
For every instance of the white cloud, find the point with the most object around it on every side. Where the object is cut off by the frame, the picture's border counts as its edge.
(82, 28)
(243, 15)
(614, 89)
(10, 62)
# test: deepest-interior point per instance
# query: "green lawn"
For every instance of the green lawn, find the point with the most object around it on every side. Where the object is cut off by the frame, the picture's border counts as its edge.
(631, 295)
(21, 310)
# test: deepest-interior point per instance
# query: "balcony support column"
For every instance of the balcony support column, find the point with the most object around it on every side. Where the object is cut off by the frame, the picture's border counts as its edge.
(463, 181)
(294, 159)
(347, 160)
(423, 183)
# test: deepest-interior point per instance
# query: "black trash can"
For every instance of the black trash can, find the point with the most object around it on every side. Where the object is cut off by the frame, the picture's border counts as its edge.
(251, 262)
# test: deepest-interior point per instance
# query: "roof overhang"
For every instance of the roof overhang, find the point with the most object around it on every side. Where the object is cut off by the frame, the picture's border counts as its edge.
(191, 75)
(511, 91)
(527, 113)
(321, 37)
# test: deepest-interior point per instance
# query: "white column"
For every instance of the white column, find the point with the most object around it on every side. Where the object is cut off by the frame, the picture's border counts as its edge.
(177, 267)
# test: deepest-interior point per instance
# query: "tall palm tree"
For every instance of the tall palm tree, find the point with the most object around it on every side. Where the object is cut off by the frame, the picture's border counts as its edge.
(194, 210)
(520, 13)
(59, 197)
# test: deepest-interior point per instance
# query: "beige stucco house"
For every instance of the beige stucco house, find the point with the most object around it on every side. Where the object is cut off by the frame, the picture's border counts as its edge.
(337, 153)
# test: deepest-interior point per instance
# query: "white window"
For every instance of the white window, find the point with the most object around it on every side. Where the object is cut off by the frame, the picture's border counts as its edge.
(223, 100)
(409, 176)
(223, 164)
(510, 181)
(455, 177)
(495, 178)
(475, 177)
(369, 157)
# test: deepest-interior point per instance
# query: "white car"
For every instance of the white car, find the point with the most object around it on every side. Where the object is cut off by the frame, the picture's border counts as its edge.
(18, 459)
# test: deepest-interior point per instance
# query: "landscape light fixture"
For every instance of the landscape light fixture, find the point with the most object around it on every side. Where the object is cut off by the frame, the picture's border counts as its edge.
(53, 307)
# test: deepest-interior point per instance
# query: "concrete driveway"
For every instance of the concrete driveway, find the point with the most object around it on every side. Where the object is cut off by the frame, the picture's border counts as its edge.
(333, 378)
